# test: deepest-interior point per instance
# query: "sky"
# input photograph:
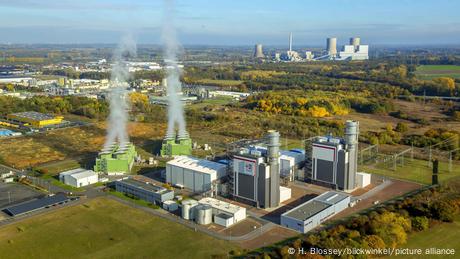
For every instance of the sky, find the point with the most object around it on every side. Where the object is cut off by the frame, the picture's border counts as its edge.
(232, 22)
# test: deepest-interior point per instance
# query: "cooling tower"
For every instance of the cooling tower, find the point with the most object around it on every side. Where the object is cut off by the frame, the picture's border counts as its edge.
(355, 41)
(258, 52)
(331, 46)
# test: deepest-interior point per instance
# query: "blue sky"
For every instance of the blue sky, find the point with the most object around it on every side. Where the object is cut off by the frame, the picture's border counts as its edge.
(232, 22)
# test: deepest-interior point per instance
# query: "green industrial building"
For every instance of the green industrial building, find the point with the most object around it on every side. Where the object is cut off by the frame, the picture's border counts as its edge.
(116, 159)
(176, 146)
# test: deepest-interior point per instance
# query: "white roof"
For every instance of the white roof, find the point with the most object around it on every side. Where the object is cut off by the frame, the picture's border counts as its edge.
(83, 174)
(222, 205)
(196, 164)
(73, 171)
(169, 202)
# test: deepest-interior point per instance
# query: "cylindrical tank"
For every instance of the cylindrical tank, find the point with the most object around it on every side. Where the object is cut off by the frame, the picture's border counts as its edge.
(187, 209)
(355, 41)
(331, 46)
(203, 214)
(258, 51)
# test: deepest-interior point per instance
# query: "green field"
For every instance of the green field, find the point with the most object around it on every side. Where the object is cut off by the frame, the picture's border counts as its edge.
(433, 71)
(444, 235)
(103, 228)
(220, 82)
(416, 171)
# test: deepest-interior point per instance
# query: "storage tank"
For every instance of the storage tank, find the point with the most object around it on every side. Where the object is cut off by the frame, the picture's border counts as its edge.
(203, 214)
(355, 41)
(332, 46)
(187, 209)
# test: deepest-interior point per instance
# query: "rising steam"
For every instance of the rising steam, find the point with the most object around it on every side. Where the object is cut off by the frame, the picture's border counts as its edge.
(116, 130)
(175, 109)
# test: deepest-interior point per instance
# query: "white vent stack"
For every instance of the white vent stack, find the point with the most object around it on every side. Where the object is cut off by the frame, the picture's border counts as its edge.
(351, 139)
(332, 46)
(258, 51)
(273, 146)
(290, 41)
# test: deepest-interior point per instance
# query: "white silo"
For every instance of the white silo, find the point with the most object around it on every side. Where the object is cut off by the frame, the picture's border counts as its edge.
(331, 46)
(203, 214)
(187, 209)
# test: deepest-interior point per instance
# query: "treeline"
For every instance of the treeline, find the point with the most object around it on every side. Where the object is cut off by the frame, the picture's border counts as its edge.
(83, 106)
(316, 103)
(386, 226)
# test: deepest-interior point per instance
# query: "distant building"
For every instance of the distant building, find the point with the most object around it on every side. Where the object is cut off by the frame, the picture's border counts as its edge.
(314, 212)
(78, 177)
(144, 190)
(35, 119)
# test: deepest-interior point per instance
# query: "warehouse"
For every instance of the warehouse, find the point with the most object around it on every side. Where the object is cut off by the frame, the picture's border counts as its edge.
(78, 177)
(314, 212)
(35, 119)
(225, 214)
(144, 190)
(38, 204)
(192, 173)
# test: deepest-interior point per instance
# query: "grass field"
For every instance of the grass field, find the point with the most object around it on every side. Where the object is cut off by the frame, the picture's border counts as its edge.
(103, 228)
(224, 83)
(444, 235)
(416, 171)
(434, 71)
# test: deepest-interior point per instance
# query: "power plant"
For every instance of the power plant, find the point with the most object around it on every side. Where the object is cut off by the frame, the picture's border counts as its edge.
(258, 51)
(334, 160)
(353, 51)
(116, 159)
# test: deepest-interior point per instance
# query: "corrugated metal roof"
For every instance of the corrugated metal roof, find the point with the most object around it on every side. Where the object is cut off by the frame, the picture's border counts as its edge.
(83, 174)
(222, 205)
(196, 164)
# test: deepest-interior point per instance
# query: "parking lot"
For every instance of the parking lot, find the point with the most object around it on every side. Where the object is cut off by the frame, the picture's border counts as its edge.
(13, 193)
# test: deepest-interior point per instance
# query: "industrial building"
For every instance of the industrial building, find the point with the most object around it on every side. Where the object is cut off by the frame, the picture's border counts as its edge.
(178, 145)
(35, 119)
(352, 51)
(78, 177)
(334, 160)
(363, 179)
(256, 174)
(144, 190)
(116, 159)
(8, 133)
(224, 213)
(314, 212)
(34, 205)
(195, 174)
(258, 51)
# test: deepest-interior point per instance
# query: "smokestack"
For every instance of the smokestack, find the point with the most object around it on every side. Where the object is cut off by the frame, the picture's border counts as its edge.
(258, 52)
(290, 41)
(351, 139)
(273, 144)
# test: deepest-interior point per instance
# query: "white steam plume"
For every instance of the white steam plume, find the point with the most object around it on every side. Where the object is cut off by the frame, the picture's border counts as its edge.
(118, 98)
(175, 108)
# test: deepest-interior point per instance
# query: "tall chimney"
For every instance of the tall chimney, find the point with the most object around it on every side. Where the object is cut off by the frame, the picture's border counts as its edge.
(273, 144)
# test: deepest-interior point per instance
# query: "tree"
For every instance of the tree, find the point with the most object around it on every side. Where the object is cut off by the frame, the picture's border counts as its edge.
(443, 210)
(420, 223)
(401, 127)
(446, 83)
(374, 241)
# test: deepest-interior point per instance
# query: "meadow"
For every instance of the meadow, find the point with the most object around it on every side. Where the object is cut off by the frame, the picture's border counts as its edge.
(104, 228)
(433, 71)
